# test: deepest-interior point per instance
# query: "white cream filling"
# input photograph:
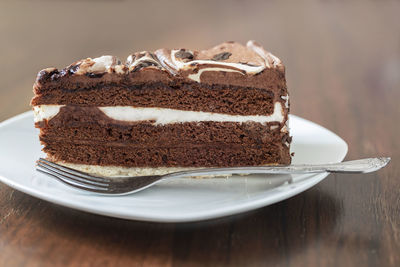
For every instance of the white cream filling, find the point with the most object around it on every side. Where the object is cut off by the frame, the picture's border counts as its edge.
(45, 112)
(165, 115)
(117, 171)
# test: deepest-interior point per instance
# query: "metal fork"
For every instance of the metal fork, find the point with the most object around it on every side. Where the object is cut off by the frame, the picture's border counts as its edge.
(128, 185)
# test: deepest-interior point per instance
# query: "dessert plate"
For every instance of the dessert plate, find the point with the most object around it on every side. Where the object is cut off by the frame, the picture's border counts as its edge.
(181, 200)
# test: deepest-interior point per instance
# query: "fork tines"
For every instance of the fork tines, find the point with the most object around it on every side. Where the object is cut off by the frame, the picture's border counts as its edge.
(73, 177)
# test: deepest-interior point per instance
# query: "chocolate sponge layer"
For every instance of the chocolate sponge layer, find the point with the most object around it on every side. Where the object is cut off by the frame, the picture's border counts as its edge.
(225, 99)
(188, 155)
(85, 135)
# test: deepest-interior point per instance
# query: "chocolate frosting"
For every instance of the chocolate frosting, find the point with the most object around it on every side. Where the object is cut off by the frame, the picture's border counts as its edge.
(228, 63)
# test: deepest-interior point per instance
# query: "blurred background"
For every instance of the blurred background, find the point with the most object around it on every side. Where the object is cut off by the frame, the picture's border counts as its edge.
(335, 52)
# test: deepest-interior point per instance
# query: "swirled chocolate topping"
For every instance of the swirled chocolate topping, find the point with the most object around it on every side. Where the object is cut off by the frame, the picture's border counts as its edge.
(235, 63)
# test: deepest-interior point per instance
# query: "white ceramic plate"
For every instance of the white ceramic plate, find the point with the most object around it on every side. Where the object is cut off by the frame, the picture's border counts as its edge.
(171, 201)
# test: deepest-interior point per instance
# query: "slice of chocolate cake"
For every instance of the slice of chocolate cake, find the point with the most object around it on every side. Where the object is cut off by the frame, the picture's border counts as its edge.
(165, 111)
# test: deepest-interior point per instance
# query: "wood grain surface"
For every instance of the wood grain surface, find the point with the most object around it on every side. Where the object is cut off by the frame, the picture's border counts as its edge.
(343, 72)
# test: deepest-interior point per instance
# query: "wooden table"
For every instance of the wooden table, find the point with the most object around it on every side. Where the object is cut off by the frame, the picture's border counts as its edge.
(343, 72)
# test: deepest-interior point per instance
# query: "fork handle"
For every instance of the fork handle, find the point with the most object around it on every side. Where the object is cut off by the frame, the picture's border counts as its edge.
(355, 166)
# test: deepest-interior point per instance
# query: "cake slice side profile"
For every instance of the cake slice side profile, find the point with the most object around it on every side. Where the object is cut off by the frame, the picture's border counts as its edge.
(165, 111)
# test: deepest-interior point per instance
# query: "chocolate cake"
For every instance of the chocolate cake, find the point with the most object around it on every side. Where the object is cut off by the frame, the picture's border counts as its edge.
(165, 111)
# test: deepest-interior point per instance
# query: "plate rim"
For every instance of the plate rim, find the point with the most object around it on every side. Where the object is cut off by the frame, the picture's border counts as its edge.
(198, 216)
